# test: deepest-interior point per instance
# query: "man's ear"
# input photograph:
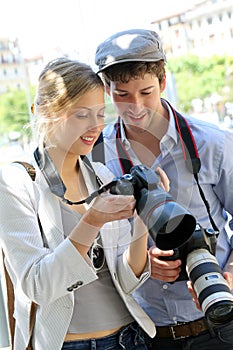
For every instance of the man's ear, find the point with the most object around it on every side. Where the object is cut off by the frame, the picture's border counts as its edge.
(107, 89)
(163, 83)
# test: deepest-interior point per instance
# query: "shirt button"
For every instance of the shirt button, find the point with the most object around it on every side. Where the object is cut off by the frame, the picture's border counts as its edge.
(165, 286)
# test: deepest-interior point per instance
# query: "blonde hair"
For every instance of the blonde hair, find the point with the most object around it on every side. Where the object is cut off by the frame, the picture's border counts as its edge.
(62, 83)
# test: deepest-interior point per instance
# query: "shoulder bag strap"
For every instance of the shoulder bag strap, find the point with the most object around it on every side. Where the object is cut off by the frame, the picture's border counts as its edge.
(10, 301)
(9, 285)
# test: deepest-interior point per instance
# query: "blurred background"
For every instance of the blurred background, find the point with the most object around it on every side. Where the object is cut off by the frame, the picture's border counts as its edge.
(197, 38)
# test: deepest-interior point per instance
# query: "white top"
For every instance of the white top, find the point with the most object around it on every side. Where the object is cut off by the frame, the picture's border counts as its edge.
(49, 269)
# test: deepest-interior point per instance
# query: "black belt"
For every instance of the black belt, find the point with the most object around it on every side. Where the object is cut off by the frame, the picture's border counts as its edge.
(182, 330)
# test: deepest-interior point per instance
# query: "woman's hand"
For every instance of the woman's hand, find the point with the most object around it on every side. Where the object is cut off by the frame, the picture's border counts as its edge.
(109, 207)
(105, 208)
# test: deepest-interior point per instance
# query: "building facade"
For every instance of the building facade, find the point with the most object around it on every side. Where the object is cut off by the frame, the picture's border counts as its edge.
(11, 69)
(203, 29)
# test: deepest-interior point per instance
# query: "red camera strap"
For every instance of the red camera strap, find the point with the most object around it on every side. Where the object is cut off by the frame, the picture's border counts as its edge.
(189, 149)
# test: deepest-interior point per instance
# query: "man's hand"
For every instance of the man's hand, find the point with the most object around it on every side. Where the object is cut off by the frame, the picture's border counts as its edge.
(228, 277)
(194, 295)
(164, 180)
(167, 271)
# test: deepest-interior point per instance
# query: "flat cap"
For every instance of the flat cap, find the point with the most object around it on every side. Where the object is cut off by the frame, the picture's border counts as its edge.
(129, 45)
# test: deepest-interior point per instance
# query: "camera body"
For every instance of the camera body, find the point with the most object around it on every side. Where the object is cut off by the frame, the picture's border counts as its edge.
(168, 223)
(200, 266)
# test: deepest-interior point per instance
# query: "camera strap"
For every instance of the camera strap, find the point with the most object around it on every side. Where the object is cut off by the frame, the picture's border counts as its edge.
(188, 145)
(56, 184)
(191, 156)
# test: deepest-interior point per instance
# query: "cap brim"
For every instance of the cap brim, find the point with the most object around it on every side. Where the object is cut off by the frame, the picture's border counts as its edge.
(130, 60)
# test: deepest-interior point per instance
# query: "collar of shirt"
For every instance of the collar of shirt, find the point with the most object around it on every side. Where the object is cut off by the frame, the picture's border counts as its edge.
(166, 143)
(171, 135)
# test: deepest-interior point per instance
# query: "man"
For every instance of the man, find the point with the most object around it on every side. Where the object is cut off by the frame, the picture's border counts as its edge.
(132, 65)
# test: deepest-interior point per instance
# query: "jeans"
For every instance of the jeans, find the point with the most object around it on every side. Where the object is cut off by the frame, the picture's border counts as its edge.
(216, 338)
(130, 337)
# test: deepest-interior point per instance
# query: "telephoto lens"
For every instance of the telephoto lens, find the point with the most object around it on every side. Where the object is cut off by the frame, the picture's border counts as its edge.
(169, 224)
(214, 295)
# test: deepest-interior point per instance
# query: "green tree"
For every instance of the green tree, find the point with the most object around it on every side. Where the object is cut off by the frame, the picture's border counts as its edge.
(197, 77)
(109, 110)
(14, 112)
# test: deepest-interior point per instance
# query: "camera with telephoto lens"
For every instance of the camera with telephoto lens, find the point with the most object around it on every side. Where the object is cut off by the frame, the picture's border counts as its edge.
(171, 226)
(200, 266)
(168, 223)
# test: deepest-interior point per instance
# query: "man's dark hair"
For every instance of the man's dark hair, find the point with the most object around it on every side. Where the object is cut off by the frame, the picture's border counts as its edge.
(123, 72)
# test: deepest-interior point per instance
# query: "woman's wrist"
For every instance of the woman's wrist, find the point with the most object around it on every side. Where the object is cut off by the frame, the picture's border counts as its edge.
(92, 220)
(85, 232)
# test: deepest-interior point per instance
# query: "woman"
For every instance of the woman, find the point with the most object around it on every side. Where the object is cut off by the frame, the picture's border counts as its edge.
(83, 264)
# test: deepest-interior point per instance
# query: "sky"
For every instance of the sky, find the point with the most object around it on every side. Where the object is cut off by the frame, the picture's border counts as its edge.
(76, 25)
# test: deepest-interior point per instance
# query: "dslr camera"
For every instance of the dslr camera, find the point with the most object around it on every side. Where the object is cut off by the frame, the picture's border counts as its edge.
(172, 227)
(200, 266)
(168, 223)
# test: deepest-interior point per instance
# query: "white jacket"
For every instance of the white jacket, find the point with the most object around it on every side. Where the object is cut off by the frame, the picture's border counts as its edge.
(47, 269)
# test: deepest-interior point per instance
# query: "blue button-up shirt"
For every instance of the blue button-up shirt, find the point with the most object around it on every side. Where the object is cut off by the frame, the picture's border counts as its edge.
(171, 303)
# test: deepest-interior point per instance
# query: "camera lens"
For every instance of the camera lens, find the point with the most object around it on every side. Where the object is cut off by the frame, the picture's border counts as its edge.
(211, 287)
(221, 312)
(169, 224)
